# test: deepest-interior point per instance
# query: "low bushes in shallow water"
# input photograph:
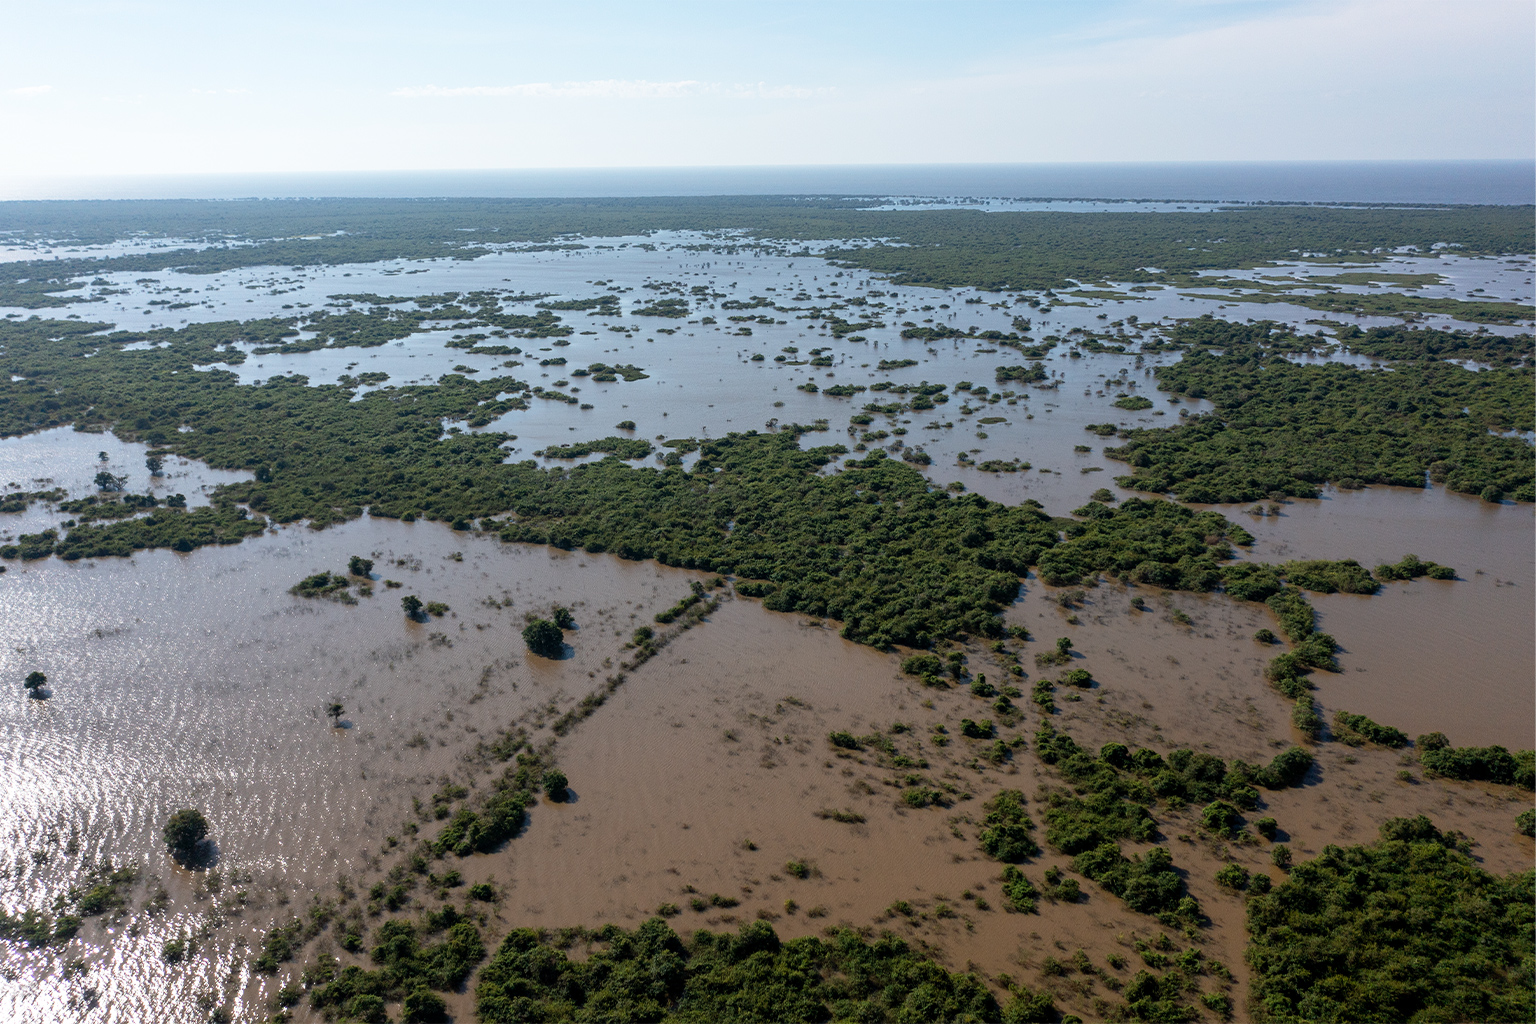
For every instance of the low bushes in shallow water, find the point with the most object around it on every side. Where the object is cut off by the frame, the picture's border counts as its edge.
(872, 546)
(1406, 929)
(1282, 428)
(1482, 764)
(652, 974)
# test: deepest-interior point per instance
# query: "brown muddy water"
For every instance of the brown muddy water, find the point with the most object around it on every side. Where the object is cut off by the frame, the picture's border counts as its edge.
(710, 772)
(1454, 656)
(200, 681)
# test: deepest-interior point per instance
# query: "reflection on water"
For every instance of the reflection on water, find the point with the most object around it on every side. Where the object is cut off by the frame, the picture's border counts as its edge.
(199, 681)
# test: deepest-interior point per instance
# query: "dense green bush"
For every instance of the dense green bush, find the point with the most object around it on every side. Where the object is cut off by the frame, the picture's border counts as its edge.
(1482, 764)
(1148, 883)
(1397, 931)
(1286, 428)
(406, 964)
(651, 974)
(1357, 729)
(873, 546)
(555, 784)
(1306, 719)
(184, 830)
(544, 638)
(1006, 829)
(1411, 567)
(1233, 876)
(1220, 817)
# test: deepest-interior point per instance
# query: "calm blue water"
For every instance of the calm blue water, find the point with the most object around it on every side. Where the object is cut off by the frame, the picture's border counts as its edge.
(1465, 181)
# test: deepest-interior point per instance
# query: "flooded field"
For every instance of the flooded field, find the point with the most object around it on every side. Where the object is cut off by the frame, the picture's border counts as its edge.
(199, 680)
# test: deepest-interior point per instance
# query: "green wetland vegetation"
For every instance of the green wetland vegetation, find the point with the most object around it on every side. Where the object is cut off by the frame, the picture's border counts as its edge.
(1282, 428)
(867, 541)
(944, 248)
(1408, 928)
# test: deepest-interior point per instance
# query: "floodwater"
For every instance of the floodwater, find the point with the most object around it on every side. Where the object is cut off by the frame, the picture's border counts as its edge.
(710, 772)
(198, 680)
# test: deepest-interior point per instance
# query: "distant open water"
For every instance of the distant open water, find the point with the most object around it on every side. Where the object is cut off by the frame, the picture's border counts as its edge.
(1498, 182)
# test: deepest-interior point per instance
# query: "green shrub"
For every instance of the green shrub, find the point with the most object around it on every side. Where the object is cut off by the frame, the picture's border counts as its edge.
(1357, 729)
(367, 1008)
(983, 730)
(650, 974)
(1233, 876)
(1017, 890)
(1078, 677)
(1305, 717)
(1288, 768)
(555, 784)
(922, 665)
(1220, 818)
(184, 830)
(1481, 764)
(845, 741)
(1006, 829)
(544, 638)
(1401, 930)
(1148, 883)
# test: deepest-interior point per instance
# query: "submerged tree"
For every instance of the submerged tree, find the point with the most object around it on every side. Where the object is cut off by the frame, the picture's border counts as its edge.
(544, 638)
(556, 784)
(412, 606)
(184, 830)
(334, 711)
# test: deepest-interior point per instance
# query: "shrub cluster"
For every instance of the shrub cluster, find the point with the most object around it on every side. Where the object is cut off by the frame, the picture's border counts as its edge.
(1406, 929)
(651, 974)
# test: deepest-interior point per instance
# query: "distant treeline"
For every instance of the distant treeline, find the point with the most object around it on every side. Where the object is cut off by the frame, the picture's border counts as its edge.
(1014, 250)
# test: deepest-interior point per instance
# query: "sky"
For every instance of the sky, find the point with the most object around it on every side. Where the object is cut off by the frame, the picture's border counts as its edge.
(162, 86)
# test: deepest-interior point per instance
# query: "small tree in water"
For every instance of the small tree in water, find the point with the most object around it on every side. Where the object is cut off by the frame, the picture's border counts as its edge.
(556, 784)
(35, 680)
(184, 830)
(412, 605)
(544, 638)
(359, 566)
(154, 464)
(334, 712)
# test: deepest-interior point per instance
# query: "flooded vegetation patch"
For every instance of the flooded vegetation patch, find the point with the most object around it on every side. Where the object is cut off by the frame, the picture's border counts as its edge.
(1336, 939)
(751, 975)
(1287, 429)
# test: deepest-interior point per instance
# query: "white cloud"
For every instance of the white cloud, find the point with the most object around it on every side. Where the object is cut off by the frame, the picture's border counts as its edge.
(29, 90)
(612, 88)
